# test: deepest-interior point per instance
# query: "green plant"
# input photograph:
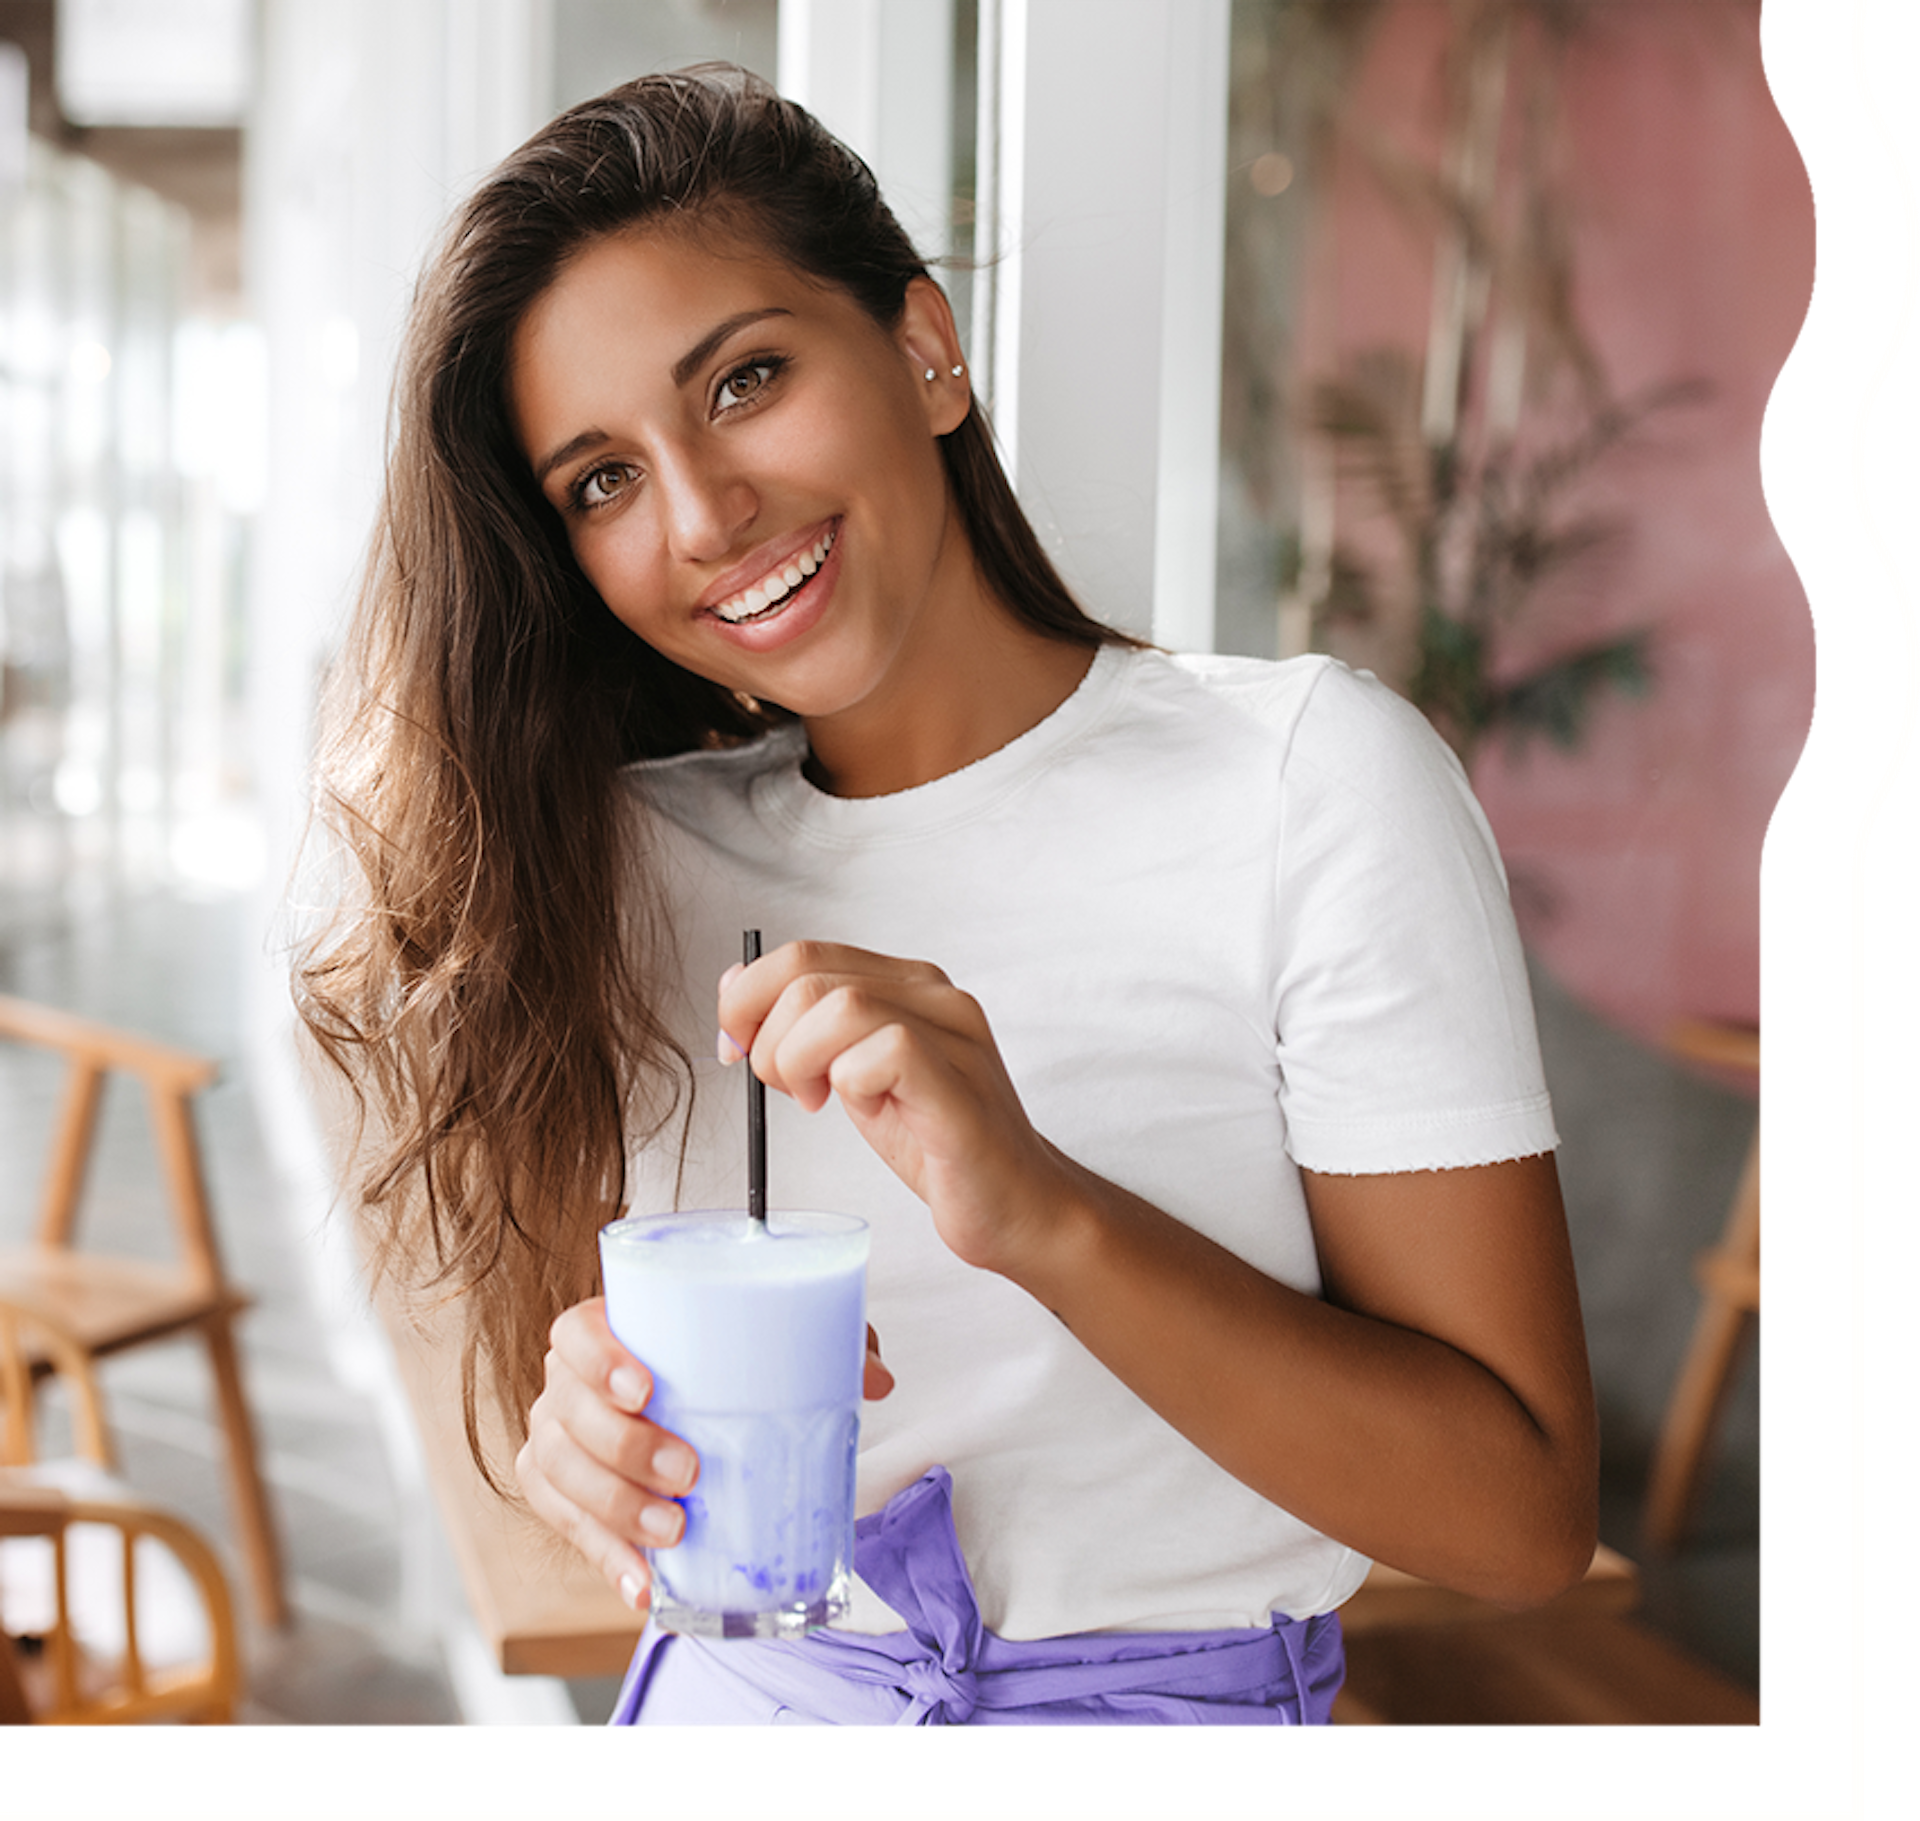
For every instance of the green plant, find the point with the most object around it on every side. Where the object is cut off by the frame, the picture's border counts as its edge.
(1471, 453)
(1478, 533)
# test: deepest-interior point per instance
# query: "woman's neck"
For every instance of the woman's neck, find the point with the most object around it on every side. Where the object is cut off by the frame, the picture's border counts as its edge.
(997, 679)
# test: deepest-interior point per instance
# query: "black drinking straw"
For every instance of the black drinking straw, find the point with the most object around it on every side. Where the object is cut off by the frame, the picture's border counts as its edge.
(756, 1112)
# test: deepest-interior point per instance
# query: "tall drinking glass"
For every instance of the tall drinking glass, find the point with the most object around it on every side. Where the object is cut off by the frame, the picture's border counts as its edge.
(755, 1334)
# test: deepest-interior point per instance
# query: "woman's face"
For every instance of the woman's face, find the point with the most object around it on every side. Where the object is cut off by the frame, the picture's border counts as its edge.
(746, 463)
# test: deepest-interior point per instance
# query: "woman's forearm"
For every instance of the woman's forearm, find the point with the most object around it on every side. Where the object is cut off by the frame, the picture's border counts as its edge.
(1433, 1411)
(1400, 1444)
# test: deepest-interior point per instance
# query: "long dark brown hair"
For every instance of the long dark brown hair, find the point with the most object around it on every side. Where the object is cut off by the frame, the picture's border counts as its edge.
(490, 983)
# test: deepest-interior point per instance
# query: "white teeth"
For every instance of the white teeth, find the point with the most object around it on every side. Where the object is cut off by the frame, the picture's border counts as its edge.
(774, 588)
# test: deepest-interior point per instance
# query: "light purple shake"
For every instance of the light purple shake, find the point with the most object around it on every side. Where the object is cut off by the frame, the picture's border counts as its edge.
(756, 1340)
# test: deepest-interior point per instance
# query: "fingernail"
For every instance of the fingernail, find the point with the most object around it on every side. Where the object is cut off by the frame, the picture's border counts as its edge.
(628, 1388)
(674, 1464)
(632, 1592)
(732, 974)
(660, 1523)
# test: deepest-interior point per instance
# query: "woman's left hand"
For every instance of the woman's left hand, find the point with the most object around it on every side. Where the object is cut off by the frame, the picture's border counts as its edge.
(914, 1063)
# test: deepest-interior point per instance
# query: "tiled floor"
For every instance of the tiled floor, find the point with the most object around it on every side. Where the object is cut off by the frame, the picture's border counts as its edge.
(365, 1647)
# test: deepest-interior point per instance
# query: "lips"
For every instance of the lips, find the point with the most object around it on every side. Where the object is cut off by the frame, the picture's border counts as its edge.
(765, 596)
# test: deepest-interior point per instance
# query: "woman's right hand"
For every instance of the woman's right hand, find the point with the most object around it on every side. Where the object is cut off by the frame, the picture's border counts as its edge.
(595, 1469)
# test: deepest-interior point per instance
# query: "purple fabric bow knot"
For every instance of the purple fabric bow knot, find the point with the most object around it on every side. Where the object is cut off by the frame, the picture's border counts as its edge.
(953, 1671)
(940, 1696)
(908, 1554)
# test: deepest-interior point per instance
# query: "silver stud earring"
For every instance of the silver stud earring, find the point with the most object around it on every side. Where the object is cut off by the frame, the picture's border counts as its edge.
(931, 374)
(958, 371)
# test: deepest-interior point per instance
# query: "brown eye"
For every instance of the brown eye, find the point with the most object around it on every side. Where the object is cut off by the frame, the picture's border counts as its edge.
(600, 486)
(744, 384)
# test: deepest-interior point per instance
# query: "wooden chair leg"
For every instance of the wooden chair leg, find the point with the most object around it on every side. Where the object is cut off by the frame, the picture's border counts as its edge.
(177, 1138)
(170, 1106)
(1673, 1493)
(1730, 1284)
(72, 1145)
(253, 1513)
(14, 1710)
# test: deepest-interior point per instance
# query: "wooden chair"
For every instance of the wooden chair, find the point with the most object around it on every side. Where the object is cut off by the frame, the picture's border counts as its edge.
(108, 1304)
(111, 1609)
(1729, 1276)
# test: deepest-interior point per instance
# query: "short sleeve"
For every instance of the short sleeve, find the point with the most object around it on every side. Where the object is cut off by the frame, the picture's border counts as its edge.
(1403, 1019)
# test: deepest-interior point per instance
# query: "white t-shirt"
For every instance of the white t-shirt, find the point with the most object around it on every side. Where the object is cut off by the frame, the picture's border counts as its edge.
(1227, 919)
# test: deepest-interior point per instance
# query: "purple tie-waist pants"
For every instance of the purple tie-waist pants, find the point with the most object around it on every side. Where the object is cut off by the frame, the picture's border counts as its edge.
(947, 1669)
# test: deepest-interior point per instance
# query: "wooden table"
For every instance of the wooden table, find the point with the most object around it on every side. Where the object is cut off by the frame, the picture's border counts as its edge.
(1390, 1600)
(541, 1609)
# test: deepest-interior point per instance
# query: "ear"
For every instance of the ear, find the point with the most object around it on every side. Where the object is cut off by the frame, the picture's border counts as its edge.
(928, 339)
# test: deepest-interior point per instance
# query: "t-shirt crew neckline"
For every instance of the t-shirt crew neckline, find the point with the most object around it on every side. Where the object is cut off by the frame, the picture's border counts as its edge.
(938, 805)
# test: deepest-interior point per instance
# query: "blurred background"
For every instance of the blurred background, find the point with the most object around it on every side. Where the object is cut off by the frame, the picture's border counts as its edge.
(1434, 333)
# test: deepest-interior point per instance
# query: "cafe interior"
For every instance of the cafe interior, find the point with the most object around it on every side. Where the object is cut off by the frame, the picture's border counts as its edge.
(1556, 253)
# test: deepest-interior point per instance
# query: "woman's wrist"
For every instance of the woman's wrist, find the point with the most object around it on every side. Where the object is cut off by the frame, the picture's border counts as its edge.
(1061, 1225)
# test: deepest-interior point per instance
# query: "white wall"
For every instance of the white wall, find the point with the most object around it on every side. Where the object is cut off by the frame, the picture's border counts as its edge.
(1106, 216)
(370, 119)
(879, 75)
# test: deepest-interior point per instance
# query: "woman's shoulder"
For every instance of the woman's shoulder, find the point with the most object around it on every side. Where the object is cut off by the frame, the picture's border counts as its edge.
(1312, 700)
(1337, 741)
(1271, 691)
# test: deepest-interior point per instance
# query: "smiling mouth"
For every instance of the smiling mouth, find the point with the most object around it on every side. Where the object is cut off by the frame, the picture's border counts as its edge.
(768, 595)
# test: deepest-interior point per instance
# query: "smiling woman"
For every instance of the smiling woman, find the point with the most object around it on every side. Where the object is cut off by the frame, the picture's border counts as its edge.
(748, 468)
(699, 599)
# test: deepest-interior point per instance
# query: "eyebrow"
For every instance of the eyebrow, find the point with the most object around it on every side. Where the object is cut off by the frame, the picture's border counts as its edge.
(703, 350)
(684, 369)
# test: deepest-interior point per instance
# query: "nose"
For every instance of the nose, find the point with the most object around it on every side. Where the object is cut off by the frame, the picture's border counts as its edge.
(706, 504)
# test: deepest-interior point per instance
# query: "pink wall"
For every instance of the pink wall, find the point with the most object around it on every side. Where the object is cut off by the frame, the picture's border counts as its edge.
(1636, 858)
